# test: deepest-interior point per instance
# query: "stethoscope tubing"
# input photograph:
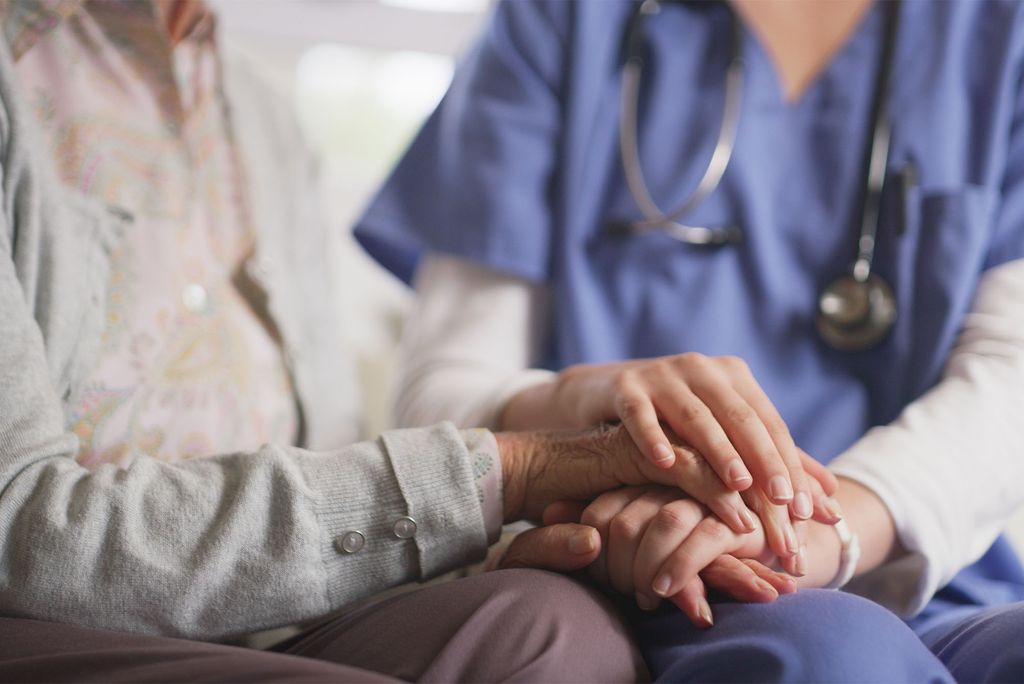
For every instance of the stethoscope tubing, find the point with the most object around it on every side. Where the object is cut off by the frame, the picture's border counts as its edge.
(859, 290)
(632, 72)
(653, 217)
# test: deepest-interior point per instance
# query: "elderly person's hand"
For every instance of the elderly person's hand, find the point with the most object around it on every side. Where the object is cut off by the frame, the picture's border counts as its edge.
(713, 403)
(541, 468)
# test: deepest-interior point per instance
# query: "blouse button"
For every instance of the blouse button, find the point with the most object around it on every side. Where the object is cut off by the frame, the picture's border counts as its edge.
(405, 528)
(350, 542)
(195, 298)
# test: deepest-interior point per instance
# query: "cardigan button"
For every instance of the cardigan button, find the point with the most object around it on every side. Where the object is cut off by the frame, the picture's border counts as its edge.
(350, 542)
(405, 528)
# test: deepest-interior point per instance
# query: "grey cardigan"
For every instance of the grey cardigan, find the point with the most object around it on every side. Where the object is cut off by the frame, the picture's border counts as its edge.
(216, 547)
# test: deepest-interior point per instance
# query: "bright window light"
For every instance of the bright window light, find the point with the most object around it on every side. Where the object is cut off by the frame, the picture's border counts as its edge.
(441, 5)
(366, 104)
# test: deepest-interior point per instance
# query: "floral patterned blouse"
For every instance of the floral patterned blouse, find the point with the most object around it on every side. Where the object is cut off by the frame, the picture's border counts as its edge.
(188, 366)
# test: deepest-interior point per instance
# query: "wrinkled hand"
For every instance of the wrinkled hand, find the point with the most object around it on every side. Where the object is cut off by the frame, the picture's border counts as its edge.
(541, 468)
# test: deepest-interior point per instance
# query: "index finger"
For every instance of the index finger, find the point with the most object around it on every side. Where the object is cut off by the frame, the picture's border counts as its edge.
(748, 388)
(694, 475)
(640, 418)
(709, 540)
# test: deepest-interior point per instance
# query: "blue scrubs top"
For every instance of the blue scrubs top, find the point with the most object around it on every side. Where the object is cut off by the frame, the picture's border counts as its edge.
(519, 169)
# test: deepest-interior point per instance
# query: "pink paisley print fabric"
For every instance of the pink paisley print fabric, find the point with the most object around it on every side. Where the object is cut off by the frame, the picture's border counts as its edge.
(188, 366)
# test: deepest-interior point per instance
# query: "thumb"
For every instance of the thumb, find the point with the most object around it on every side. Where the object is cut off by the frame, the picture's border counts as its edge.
(562, 548)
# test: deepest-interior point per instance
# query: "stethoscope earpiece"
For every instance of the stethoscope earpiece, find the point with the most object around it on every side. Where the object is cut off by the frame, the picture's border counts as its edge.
(855, 315)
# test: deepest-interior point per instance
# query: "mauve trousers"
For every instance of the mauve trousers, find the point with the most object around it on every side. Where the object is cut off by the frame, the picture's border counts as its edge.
(512, 625)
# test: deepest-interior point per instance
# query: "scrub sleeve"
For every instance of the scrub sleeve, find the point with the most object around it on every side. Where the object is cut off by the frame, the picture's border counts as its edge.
(478, 179)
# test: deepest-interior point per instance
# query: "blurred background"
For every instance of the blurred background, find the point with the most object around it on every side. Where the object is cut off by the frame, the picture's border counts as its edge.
(362, 76)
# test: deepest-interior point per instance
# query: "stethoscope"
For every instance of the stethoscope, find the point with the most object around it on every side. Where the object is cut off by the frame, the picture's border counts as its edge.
(857, 309)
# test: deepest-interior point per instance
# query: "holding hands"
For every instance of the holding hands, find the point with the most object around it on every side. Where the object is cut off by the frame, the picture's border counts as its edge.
(654, 544)
(712, 404)
(738, 500)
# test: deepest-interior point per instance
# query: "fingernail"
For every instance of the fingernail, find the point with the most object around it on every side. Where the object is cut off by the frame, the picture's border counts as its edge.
(779, 489)
(790, 538)
(801, 562)
(833, 509)
(645, 602)
(802, 506)
(663, 454)
(704, 610)
(747, 520)
(583, 542)
(662, 584)
(765, 587)
(738, 474)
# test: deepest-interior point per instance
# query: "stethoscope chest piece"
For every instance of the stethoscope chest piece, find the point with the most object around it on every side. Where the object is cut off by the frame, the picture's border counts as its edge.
(855, 315)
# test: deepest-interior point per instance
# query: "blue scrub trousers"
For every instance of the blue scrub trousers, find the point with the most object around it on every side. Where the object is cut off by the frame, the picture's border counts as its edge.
(818, 635)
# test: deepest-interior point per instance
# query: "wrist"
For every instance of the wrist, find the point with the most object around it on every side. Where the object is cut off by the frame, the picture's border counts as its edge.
(515, 451)
(533, 408)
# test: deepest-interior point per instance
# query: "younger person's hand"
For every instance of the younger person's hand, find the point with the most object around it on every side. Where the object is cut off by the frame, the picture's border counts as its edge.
(714, 403)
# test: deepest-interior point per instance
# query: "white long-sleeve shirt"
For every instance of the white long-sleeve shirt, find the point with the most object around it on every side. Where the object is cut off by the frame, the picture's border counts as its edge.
(949, 468)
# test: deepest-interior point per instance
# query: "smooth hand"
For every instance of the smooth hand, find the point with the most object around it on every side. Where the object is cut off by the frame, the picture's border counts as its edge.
(637, 538)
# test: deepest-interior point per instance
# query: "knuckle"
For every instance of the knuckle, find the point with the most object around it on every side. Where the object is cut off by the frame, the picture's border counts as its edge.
(776, 427)
(624, 527)
(814, 488)
(770, 456)
(673, 518)
(755, 501)
(659, 368)
(626, 382)
(738, 413)
(593, 518)
(691, 411)
(774, 515)
(689, 459)
(682, 562)
(691, 360)
(721, 447)
(630, 405)
(715, 530)
(735, 364)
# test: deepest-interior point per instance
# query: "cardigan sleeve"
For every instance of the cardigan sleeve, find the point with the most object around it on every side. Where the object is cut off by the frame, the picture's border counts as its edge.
(215, 547)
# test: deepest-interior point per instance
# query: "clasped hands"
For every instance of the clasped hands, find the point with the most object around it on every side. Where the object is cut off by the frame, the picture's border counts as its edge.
(658, 525)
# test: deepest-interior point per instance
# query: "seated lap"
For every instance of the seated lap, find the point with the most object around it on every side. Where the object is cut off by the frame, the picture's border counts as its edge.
(812, 635)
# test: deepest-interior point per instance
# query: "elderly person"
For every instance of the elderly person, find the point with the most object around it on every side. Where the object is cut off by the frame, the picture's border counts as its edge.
(176, 411)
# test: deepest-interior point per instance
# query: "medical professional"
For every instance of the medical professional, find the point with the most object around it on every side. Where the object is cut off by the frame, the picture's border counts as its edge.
(814, 209)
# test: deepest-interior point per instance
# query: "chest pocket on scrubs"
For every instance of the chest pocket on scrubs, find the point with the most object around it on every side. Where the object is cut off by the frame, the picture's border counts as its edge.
(932, 247)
